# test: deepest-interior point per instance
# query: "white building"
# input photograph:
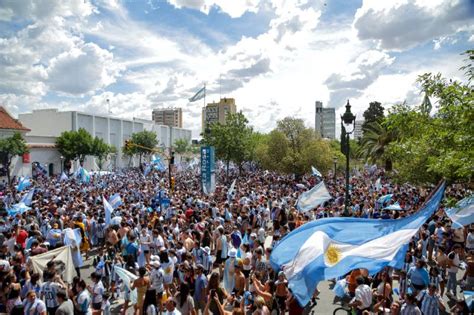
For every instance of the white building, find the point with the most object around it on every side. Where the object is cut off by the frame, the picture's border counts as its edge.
(325, 121)
(47, 124)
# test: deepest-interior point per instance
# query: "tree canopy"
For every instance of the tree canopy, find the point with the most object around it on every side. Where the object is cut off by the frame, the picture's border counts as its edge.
(75, 145)
(9, 148)
(373, 114)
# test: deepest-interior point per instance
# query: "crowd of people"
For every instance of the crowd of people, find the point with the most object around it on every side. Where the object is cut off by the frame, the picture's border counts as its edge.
(209, 254)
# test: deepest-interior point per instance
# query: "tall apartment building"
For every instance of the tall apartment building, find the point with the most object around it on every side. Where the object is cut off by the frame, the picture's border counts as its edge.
(217, 112)
(358, 132)
(325, 121)
(168, 117)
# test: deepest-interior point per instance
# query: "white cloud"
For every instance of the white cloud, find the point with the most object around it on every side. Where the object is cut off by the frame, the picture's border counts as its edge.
(402, 24)
(234, 9)
(82, 70)
(45, 9)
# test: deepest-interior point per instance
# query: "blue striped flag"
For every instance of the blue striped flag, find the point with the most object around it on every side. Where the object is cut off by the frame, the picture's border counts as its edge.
(115, 201)
(316, 172)
(331, 247)
(385, 198)
(313, 198)
(199, 95)
(395, 206)
(24, 183)
(108, 211)
(463, 213)
(28, 198)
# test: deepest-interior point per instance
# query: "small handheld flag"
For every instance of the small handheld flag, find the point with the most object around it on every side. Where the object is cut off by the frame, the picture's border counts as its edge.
(313, 198)
(316, 172)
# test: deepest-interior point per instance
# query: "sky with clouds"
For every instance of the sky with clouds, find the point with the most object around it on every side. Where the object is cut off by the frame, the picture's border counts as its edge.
(275, 57)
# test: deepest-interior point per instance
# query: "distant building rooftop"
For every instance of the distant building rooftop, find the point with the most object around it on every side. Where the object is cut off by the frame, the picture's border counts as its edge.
(8, 122)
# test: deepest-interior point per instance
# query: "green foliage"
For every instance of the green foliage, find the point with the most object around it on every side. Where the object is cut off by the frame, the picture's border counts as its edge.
(232, 141)
(373, 113)
(430, 148)
(75, 145)
(181, 146)
(101, 150)
(374, 143)
(143, 143)
(11, 147)
(293, 148)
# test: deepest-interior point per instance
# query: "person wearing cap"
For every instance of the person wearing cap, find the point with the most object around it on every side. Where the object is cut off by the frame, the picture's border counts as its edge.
(157, 281)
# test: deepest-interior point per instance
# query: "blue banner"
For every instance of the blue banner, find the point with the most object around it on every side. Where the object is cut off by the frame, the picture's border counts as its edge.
(208, 177)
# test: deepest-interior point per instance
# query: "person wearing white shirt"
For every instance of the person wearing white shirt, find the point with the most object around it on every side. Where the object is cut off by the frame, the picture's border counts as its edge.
(363, 296)
(170, 307)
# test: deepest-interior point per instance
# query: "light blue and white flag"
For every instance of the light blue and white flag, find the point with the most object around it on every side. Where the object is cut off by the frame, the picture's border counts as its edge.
(230, 192)
(63, 177)
(85, 177)
(108, 211)
(127, 278)
(115, 201)
(331, 247)
(378, 184)
(313, 198)
(28, 198)
(18, 208)
(199, 95)
(316, 172)
(24, 183)
(158, 163)
(463, 213)
(395, 206)
(385, 198)
(147, 170)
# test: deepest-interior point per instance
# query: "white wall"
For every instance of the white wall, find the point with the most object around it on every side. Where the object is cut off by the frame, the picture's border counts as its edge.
(46, 122)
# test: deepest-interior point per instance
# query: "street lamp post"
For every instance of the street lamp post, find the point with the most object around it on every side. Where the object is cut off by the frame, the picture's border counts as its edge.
(334, 159)
(347, 120)
(62, 163)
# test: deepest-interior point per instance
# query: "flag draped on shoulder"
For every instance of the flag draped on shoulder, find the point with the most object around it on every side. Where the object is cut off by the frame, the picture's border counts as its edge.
(463, 213)
(331, 247)
(199, 95)
(313, 198)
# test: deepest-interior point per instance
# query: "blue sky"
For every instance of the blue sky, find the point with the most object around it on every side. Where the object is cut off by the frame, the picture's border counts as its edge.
(276, 58)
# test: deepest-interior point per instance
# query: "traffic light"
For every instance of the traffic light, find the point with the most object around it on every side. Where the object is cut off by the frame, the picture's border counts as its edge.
(172, 183)
(172, 158)
(128, 144)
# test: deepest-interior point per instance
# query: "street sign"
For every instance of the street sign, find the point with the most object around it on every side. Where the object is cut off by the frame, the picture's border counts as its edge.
(208, 172)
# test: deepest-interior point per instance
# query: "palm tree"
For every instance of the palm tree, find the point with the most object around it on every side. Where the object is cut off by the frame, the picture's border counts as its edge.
(374, 143)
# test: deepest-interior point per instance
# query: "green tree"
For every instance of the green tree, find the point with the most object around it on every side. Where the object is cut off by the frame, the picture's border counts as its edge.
(293, 148)
(374, 143)
(9, 148)
(74, 145)
(181, 146)
(142, 144)
(441, 145)
(232, 140)
(101, 150)
(373, 113)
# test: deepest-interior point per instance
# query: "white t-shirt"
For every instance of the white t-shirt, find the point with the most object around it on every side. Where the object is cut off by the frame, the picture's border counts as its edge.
(364, 295)
(455, 258)
(157, 278)
(97, 291)
(249, 266)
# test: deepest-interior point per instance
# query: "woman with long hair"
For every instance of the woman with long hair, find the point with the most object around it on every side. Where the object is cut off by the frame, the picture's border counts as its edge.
(184, 301)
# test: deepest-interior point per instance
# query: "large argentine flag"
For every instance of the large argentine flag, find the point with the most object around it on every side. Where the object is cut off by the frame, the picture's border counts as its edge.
(463, 213)
(313, 198)
(329, 248)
